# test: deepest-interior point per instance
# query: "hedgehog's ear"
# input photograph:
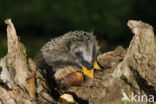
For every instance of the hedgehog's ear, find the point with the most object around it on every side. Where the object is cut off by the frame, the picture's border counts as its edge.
(70, 45)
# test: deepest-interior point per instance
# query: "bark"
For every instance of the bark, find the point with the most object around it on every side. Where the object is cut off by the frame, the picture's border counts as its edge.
(124, 71)
(131, 70)
(15, 68)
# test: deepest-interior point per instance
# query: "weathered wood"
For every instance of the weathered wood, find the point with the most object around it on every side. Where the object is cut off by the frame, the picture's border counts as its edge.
(125, 71)
(15, 69)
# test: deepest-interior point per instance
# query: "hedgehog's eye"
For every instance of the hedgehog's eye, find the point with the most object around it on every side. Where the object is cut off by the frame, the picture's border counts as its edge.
(79, 54)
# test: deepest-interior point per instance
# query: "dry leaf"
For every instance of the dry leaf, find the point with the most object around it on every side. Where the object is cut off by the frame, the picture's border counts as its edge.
(89, 73)
(67, 99)
(96, 65)
(73, 79)
(31, 85)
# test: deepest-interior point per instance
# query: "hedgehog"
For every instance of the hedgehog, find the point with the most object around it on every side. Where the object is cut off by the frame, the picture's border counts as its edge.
(70, 57)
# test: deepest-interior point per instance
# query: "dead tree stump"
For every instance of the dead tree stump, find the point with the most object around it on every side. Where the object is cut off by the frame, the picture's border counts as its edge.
(126, 72)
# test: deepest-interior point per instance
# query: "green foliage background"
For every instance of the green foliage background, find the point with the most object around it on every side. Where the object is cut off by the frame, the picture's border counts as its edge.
(37, 21)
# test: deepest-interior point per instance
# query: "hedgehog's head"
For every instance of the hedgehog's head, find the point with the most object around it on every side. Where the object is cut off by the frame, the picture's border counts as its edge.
(84, 50)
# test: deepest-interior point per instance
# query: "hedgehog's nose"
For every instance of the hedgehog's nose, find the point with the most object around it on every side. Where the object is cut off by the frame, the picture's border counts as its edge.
(87, 65)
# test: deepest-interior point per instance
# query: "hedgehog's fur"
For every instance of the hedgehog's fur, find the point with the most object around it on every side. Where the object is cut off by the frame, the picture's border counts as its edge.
(62, 51)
